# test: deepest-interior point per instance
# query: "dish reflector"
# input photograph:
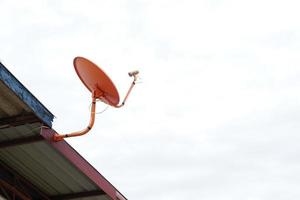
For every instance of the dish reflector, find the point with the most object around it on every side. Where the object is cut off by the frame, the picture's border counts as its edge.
(101, 87)
(96, 81)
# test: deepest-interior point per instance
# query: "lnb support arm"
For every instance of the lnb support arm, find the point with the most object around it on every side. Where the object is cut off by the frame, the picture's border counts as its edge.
(134, 74)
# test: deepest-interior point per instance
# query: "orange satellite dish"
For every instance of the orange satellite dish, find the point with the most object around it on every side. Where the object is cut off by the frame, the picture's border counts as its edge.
(96, 81)
(101, 87)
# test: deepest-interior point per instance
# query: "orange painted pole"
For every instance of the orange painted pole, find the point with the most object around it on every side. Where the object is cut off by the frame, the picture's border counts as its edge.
(98, 94)
(57, 138)
(134, 74)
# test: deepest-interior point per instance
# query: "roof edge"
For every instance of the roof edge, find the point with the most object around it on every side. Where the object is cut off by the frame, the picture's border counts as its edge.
(27, 97)
(81, 164)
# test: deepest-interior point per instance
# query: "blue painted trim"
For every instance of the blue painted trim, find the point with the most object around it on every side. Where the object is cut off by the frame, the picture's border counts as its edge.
(24, 94)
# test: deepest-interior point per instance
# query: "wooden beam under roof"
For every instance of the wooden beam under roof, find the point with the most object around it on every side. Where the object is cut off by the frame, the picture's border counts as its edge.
(20, 141)
(78, 195)
(18, 120)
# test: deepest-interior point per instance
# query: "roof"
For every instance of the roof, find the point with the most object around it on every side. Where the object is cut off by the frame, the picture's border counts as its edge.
(44, 169)
(16, 99)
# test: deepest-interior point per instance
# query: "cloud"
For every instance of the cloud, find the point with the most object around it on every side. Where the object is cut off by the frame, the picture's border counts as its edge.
(216, 114)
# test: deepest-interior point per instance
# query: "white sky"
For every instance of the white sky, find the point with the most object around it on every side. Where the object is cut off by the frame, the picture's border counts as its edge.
(216, 116)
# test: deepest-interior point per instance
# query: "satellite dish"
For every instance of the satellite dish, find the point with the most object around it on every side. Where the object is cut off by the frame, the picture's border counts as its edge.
(101, 87)
(96, 80)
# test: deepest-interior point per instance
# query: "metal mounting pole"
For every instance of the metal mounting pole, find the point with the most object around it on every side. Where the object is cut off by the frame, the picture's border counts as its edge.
(57, 138)
(134, 74)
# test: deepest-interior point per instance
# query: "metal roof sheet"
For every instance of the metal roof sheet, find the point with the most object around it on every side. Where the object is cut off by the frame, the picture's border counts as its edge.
(46, 169)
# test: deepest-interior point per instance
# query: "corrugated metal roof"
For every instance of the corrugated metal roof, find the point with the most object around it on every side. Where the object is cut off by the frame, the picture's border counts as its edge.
(36, 166)
(56, 170)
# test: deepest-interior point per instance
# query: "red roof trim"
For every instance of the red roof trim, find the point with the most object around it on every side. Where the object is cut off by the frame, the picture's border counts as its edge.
(86, 168)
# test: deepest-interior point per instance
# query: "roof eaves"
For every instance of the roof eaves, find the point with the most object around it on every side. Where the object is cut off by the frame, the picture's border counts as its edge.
(23, 93)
